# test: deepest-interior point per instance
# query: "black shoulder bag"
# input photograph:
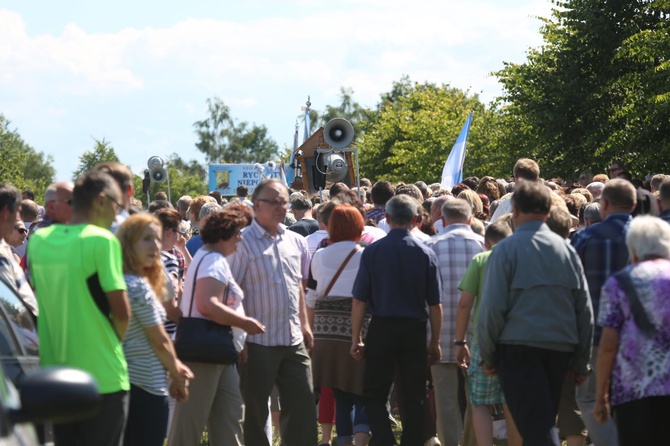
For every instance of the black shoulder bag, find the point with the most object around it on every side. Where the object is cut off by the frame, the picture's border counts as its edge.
(639, 313)
(203, 340)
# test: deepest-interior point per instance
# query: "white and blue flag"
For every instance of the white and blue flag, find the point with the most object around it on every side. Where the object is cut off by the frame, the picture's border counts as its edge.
(452, 174)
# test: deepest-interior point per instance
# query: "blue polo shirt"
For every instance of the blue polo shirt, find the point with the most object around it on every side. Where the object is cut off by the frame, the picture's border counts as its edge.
(398, 277)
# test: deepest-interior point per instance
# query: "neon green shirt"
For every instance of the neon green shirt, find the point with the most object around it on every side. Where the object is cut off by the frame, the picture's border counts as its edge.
(473, 282)
(72, 267)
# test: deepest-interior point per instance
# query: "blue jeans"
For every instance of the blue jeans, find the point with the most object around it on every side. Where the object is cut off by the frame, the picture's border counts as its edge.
(350, 416)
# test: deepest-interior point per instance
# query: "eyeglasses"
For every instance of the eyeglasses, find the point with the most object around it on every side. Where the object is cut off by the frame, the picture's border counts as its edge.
(275, 203)
(22, 230)
(183, 234)
(68, 201)
(614, 169)
(116, 203)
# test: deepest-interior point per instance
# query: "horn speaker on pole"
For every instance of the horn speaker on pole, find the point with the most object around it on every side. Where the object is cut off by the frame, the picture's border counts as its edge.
(338, 133)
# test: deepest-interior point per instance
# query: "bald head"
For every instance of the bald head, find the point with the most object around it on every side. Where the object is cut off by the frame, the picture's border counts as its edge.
(619, 196)
(57, 202)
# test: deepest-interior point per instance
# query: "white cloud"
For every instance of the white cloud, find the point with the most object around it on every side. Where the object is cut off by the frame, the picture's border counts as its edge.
(135, 83)
(374, 36)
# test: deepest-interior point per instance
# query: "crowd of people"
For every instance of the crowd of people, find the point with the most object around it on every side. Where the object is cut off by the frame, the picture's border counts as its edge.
(542, 299)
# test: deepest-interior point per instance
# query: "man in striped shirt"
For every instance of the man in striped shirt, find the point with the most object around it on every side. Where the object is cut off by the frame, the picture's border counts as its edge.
(271, 266)
(455, 248)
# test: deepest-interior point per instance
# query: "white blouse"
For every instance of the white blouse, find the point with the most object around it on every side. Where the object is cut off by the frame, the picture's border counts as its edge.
(325, 263)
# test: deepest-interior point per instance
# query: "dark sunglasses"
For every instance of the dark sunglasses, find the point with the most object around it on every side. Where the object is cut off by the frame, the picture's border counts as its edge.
(22, 230)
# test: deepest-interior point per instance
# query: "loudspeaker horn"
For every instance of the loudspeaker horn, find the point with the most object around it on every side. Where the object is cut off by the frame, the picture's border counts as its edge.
(338, 133)
(155, 162)
(158, 174)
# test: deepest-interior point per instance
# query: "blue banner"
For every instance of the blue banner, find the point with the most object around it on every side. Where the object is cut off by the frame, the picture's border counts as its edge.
(226, 177)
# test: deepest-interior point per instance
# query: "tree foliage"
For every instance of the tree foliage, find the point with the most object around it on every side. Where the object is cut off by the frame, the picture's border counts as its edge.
(21, 165)
(348, 109)
(596, 90)
(186, 178)
(415, 129)
(102, 152)
(224, 140)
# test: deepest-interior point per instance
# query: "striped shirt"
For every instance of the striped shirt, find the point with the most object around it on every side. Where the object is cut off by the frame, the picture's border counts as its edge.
(270, 270)
(455, 248)
(171, 268)
(144, 368)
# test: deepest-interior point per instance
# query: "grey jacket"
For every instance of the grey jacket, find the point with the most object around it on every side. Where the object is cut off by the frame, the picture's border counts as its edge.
(535, 294)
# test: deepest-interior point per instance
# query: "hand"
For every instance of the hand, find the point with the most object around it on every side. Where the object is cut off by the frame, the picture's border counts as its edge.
(179, 390)
(601, 410)
(434, 353)
(489, 371)
(357, 350)
(244, 355)
(252, 326)
(184, 372)
(308, 337)
(463, 356)
(579, 379)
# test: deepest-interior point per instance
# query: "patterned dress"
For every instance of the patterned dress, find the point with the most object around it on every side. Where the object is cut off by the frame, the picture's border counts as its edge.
(642, 365)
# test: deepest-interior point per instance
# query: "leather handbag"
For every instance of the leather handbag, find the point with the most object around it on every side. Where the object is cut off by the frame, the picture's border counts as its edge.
(203, 340)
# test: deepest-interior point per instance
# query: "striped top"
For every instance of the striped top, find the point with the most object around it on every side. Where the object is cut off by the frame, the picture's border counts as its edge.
(455, 248)
(171, 268)
(270, 270)
(144, 368)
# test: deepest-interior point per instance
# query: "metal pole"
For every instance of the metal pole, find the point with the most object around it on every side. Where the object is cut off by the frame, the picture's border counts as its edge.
(167, 172)
(358, 176)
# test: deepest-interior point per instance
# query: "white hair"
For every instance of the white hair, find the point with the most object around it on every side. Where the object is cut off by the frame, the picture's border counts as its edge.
(208, 208)
(648, 237)
(596, 188)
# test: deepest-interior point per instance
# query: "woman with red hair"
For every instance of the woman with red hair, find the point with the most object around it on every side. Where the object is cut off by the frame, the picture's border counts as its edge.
(329, 302)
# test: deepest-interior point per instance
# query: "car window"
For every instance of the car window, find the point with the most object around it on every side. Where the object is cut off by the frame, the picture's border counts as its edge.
(22, 322)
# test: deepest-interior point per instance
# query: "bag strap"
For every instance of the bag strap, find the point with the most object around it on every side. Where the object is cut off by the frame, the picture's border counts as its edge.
(195, 280)
(639, 313)
(339, 271)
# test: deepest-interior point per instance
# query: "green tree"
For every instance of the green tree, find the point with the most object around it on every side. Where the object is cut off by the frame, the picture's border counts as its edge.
(413, 134)
(21, 165)
(224, 140)
(596, 90)
(186, 178)
(102, 152)
(348, 109)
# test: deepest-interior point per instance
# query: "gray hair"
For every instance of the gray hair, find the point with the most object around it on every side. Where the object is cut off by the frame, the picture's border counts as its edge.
(301, 203)
(184, 202)
(51, 193)
(457, 209)
(648, 237)
(592, 213)
(208, 208)
(401, 209)
(596, 188)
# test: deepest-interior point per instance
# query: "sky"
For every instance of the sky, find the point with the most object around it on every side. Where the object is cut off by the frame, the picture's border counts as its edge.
(139, 73)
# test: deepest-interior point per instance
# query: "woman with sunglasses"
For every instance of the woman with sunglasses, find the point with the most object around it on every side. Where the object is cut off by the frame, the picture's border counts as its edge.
(17, 238)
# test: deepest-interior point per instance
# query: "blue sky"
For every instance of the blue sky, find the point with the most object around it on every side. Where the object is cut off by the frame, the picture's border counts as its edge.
(139, 73)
